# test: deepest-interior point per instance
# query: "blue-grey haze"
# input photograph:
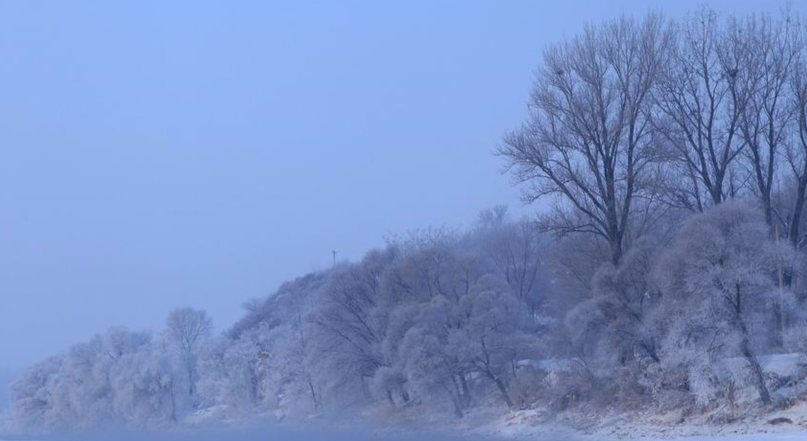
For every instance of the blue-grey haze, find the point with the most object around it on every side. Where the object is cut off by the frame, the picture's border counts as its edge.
(157, 154)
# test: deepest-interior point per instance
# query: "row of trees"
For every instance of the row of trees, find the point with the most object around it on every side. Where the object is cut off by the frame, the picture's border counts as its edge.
(446, 321)
(439, 319)
(118, 378)
(636, 125)
(633, 118)
(675, 154)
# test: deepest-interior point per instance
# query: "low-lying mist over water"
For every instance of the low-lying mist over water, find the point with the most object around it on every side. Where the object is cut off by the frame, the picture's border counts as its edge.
(280, 434)
(341, 435)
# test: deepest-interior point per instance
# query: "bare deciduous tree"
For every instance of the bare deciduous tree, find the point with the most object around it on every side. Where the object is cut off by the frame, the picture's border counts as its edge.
(347, 331)
(699, 103)
(796, 154)
(588, 140)
(515, 250)
(766, 50)
(187, 327)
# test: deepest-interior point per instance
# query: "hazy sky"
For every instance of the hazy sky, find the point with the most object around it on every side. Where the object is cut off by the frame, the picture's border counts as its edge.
(159, 154)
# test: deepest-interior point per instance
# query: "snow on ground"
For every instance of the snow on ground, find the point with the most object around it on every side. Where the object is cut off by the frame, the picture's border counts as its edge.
(537, 424)
(758, 437)
(750, 424)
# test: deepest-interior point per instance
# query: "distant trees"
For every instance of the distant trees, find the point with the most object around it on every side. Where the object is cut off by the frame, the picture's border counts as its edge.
(450, 320)
(429, 319)
(675, 154)
(117, 378)
(187, 328)
(517, 251)
(348, 331)
(269, 359)
(31, 397)
(232, 373)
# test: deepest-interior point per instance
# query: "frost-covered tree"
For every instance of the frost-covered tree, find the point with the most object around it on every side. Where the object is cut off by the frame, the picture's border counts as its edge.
(516, 251)
(232, 373)
(347, 335)
(116, 378)
(617, 317)
(717, 284)
(187, 328)
(143, 382)
(267, 360)
(435, 374)
(31, 398)
(389, 382)
(494, 336)
(291, 364)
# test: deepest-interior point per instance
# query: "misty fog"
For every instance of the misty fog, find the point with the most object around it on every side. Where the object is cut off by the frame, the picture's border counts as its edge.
(369, 221)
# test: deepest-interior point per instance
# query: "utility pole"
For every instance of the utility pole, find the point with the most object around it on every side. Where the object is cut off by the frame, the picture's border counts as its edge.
(334, 257)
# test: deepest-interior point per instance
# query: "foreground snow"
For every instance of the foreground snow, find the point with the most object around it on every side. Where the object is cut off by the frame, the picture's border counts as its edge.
(536, 424)
(757, 437)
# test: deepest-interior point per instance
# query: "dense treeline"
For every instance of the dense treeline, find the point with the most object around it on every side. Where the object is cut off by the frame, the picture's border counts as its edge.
(675, 155)
(440, 319)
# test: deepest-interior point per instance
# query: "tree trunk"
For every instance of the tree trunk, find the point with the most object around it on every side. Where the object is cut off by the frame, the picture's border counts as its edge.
(501, 386)
(314, 395)
(457, 406)
(759, 375)
(389, 398)
(457, 392)
(798, 208)
(745, 348)
(466, 392)
(778, 337)
(173, 403)
(767, 208)
(756, 369)
(190, 379)
(503, 390)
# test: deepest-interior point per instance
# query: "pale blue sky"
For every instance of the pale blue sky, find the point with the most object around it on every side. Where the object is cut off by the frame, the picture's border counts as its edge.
(156, 154)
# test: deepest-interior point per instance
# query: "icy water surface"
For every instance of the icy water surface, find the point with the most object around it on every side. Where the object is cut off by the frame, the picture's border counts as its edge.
(272, 435)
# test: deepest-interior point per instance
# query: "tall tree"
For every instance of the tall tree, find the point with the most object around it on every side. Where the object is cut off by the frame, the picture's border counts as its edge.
(187, 328)
(700, 100)
(797, 150)
(588, 140)
(765, 50)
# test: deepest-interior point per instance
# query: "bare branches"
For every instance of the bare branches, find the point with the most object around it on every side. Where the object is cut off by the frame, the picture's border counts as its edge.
(187, 327)
(767, 50)
(588, 138)
(699, 102)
